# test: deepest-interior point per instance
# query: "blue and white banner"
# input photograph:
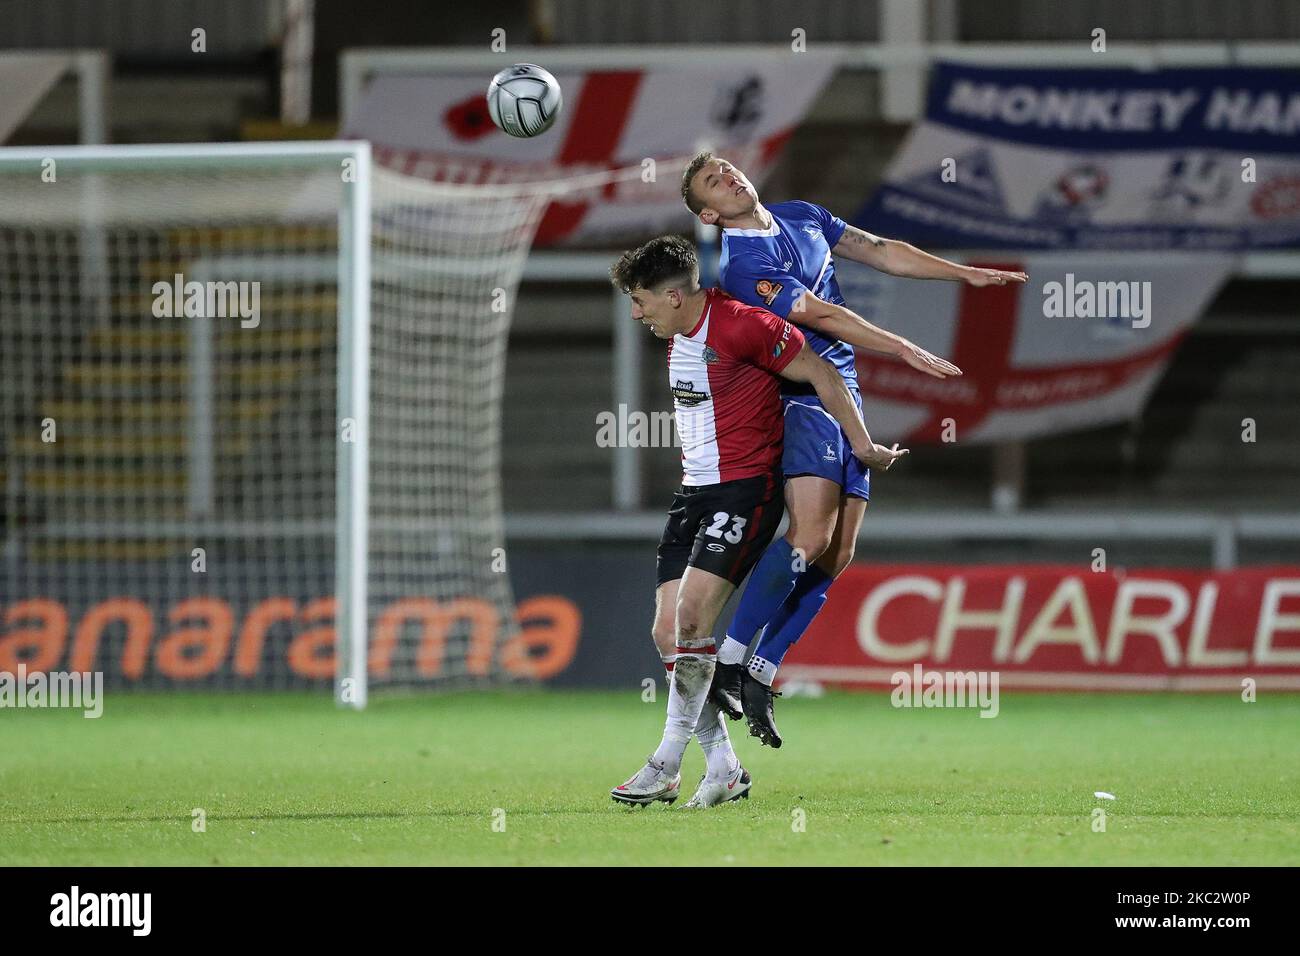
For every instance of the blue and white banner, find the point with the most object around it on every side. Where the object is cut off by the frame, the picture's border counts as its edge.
(1193, 159)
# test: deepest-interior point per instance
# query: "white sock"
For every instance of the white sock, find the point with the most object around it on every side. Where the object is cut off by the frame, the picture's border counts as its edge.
(762, 669)
(692, 675)
(669, 660)
(731, 651)
(711, 732)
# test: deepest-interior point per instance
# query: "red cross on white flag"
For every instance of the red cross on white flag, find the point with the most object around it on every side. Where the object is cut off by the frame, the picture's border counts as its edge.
(1081, 344)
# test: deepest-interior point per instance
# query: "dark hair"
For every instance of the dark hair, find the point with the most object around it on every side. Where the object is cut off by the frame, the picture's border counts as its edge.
(688, 197)
(657, 262)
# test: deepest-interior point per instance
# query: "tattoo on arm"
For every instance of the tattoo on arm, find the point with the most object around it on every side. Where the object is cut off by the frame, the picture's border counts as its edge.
(860, 238)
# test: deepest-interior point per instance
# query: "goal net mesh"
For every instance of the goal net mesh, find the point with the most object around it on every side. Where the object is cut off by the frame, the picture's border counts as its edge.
(169, 429)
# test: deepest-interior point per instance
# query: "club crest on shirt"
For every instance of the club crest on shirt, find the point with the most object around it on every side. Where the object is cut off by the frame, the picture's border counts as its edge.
(830, 452)
(813, 232)
(709, 355)
(767, 290)
(685, 393)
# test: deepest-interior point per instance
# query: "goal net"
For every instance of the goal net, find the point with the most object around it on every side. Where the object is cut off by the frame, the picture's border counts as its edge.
(216, 469)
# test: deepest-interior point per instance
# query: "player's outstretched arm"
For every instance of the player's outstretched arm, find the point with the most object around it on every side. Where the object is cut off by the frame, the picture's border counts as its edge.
(898, 258)
(846, 325)
(835, 398)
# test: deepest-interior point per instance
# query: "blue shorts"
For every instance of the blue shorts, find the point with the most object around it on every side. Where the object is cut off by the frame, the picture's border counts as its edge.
(816, 445)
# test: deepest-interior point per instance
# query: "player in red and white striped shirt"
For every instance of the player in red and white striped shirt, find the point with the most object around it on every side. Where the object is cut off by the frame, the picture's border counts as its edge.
(723, 361)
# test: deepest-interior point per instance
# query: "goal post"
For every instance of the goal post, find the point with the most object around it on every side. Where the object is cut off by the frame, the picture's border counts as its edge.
(302, 494)
(352, 535)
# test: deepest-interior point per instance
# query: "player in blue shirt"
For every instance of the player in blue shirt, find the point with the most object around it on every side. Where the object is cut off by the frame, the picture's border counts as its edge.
(781, 257)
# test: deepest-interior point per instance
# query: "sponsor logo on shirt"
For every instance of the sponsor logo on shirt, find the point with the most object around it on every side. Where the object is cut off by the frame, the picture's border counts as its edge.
(767, 290)
(685, 393)
(780, 346)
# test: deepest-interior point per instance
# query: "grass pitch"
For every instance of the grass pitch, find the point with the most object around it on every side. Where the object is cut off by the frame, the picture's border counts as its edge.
(288, 779)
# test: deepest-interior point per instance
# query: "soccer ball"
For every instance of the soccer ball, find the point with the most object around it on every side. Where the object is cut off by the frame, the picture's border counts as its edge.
(524, 100)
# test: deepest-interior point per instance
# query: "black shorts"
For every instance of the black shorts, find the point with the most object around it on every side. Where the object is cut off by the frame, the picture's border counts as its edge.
(720, 528)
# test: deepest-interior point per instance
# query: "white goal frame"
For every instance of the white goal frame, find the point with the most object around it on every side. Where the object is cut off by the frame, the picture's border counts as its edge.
(352, 489)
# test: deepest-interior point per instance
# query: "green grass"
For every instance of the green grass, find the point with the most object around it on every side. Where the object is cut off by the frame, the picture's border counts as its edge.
(288, 779)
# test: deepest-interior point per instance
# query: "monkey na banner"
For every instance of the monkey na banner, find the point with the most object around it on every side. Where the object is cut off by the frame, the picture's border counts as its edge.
(1194, 159)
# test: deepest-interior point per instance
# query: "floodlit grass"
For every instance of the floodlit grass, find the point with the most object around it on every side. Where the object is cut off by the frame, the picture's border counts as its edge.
(288, 779)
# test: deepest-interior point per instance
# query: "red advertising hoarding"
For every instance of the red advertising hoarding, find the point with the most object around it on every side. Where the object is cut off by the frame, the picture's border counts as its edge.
(1060, 627)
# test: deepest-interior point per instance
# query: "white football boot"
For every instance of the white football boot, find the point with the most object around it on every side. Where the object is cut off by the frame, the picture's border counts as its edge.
(714, 792)
(649, 784)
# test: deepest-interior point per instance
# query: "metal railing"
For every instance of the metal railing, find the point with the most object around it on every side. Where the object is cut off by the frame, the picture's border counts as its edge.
(630, 339)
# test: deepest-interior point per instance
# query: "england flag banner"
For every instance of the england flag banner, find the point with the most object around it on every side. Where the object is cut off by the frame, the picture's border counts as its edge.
(1081, 344)
(437, 126)
(1195, 159)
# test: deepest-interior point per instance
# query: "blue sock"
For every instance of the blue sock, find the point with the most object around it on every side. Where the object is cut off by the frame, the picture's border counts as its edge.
(769, 585)
(795, 615)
